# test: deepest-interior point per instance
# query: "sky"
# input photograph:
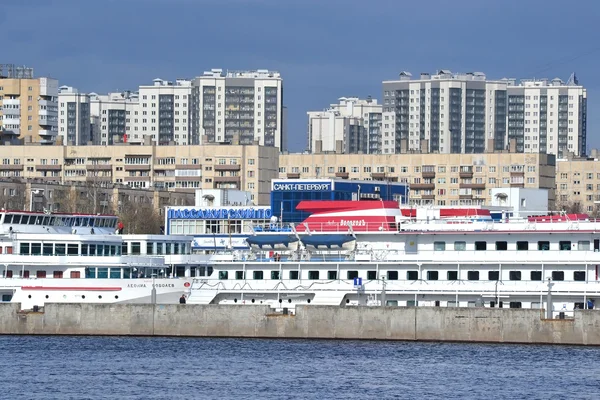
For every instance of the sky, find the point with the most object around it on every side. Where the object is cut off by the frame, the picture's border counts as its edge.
(324, 49)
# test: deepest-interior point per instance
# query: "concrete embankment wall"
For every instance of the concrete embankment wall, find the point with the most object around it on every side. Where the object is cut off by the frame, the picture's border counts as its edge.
(311, 322)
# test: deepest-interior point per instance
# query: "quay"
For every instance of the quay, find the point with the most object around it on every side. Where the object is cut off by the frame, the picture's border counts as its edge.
(491, 325)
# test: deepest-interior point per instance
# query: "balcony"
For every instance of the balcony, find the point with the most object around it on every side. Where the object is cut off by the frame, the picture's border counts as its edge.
(293, 175)
(227, 179)
(465, 174)
(422, 186)
(136, 179)
(465, 196)
(98, 167)
(137, 167)
(41, 167)
(472, 185)
(378, 175)
(343, 175)
(517, 184)
(428, 171)
(188, 166)
(102, 179)
(17, 167)
(47, 132)
(428, 196)
(228, 167)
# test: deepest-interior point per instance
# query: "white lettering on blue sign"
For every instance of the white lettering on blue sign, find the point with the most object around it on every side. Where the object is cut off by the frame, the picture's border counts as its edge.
(220, 213)
(357, 281)
(302, 187)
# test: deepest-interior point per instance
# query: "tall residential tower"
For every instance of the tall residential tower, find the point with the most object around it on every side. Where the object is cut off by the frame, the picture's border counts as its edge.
(351, 126)
(239, 107)
(466, 113)
(28, 105)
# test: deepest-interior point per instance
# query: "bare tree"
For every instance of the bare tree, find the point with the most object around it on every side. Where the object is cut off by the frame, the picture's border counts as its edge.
(139, 218)
(12, 199)
(569, 206)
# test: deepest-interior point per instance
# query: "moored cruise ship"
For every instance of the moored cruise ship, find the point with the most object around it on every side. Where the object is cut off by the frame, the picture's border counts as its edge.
(82, 258)
(373, 253)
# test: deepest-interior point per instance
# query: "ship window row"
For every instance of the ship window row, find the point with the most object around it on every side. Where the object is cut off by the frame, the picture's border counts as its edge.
(542, 245)
(52, 220)
(9, 273)
(156, 248)
(68, 249)
(578, 276)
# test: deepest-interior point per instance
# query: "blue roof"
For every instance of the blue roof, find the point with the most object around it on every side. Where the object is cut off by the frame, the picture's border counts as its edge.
(327, 240)
(271, 240)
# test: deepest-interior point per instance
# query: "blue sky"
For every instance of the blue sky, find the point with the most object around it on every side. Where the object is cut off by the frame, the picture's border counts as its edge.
(325, 49)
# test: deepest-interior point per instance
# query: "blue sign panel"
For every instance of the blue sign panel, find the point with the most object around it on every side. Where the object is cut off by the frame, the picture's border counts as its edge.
(220, 213)
(302, 187)
(357, 281)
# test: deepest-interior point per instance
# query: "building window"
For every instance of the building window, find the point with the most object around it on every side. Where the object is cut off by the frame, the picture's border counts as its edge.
(579, 276)
(452, 275)
(522, 246)
(392, 275)
(439, 246)
(460, 246)
(493, 275)
(313, 275)
(480, 246)
(501, 245)
(412, 275)
(543, 245)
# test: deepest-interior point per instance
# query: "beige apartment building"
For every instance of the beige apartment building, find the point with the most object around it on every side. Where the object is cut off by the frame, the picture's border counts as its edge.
(28, 106)
(578, 184)
(437, 179)
(173, 168)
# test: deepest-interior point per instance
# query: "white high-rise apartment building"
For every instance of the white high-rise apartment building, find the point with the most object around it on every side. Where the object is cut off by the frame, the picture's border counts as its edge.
(350, 126)
(244, 107)
(113, 116)
(165, 113)
(466, 113)
(548, 116)
(74, 124)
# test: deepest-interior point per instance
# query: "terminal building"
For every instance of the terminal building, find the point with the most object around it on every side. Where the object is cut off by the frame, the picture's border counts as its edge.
(223, 219)
(286, 194)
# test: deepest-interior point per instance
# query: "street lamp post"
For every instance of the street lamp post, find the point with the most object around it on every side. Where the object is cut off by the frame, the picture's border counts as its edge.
(31, 194)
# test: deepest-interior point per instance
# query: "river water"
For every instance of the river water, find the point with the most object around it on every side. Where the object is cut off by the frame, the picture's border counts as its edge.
(175, 368)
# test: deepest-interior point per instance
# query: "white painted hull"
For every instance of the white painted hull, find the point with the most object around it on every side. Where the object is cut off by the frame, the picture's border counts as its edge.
(37, 292)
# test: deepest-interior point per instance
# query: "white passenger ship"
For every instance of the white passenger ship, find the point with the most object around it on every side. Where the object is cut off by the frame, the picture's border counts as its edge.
(373, 253)
(81, 258)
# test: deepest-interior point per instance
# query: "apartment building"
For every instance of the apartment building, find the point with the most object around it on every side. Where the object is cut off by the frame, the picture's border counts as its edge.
(113, 117)
(450, 112)
(175, 168)
(239, 107)
(351, 126)
(165, 114)
(578, 184)
(74, 123)
(28, 105)
(437, 179)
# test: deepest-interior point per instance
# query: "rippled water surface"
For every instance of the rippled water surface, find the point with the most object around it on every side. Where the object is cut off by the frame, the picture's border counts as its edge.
(164, 368)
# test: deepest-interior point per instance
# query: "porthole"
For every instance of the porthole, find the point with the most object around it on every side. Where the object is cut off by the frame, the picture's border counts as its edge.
(347, 301)
(116, 296)
(29, 296)
(100, 296)
(253, 300)
(289, 300)
(47, 296)
(235, 300)
(83, 296)
(308, 301)
(280, 300)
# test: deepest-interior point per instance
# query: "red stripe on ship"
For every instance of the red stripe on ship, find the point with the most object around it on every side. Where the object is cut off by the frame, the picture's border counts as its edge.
(89, 289)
